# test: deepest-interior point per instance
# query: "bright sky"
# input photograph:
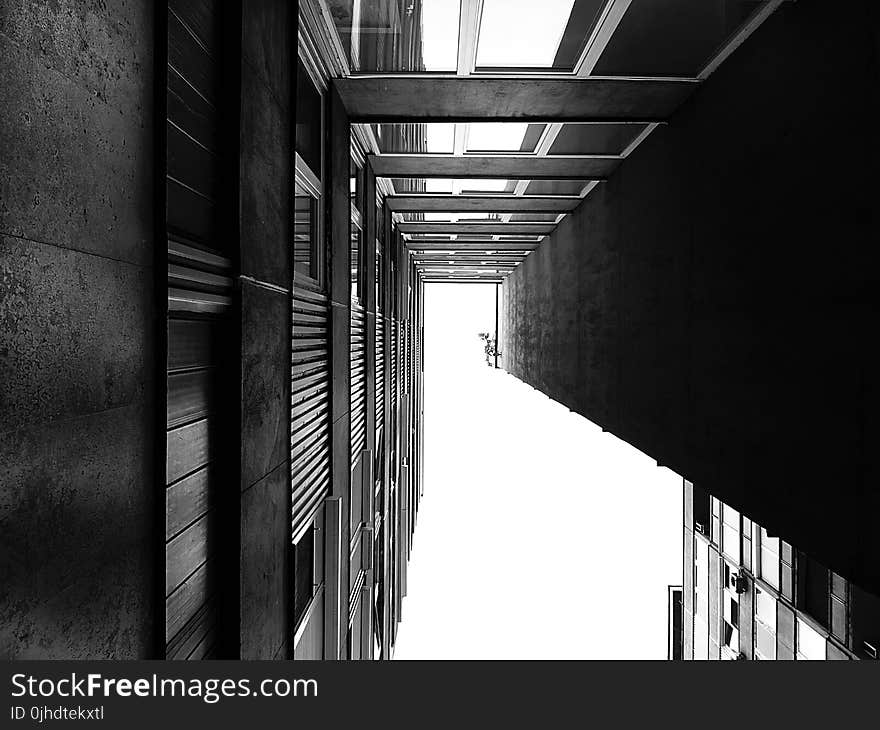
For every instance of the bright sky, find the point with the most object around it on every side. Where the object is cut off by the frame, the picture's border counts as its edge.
(539, 536)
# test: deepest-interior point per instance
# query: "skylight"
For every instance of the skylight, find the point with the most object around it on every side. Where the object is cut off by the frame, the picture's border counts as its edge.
(496, 136)
(521, 33)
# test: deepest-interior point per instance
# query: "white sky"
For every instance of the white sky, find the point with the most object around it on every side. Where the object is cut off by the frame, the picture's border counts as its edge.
(538, 536)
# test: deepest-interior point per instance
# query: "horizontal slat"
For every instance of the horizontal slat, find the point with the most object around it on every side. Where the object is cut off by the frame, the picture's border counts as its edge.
(188, 448)
(190, 395)
(187, 551)
(189, 597)
(186, 501)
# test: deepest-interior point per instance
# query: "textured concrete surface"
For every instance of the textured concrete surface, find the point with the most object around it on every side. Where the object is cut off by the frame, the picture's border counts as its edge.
(265, 414)
(266, 169)
(265, 535)
(76, 131)
(713, 303)
(266, 182)
(76, 349)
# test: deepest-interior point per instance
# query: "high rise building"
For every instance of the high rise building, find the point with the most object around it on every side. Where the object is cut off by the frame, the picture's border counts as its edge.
(750, 594)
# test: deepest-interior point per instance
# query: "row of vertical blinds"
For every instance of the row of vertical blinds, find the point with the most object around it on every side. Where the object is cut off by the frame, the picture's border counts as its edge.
(358, 381)
(380, 371)
(310, 403)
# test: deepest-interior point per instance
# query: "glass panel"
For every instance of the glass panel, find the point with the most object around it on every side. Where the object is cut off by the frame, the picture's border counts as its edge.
(308, 120)
(303, 567)
(810, 643)
(356, 237)
(770, 558)
(594, 139)
(701, 599)
(503, 137)
(521, 33)
(433, 138)
(485, 186)
(305, 233)
(571, 188)
(398, 35)
(533, 218)
(671, 37)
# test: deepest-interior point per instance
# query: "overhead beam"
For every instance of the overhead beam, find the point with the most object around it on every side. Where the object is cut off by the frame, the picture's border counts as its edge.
(596, 167)
(480, 204)
(482, 248)
(489, 229)
(448, 98)
(467, 256)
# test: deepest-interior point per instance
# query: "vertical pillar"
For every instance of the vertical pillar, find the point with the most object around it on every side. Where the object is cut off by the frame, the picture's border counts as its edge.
(386, 456)
(338, 141)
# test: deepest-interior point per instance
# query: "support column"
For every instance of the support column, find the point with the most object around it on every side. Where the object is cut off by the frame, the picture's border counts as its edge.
(338, 224)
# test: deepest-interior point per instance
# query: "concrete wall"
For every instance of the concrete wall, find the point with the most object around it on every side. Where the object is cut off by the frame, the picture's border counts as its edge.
(77, 488)
(268, 47)
(714, 303)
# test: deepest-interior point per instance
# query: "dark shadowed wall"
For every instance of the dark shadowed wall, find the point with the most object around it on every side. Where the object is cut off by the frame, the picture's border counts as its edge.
(77, 555)
(715, 302)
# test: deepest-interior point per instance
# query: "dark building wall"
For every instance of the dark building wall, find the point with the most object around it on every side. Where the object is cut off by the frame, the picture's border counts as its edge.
(77, 485)
(266, 188)
(714, 302)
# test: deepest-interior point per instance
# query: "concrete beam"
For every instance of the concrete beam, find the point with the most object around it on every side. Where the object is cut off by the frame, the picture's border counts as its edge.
(508, 167)
(389, 99)
(481, 203)
(491, 228)
(415, 246)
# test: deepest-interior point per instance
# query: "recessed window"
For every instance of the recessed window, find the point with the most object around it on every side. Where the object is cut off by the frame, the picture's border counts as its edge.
(303, 568)
(308, 120)
(305, 233)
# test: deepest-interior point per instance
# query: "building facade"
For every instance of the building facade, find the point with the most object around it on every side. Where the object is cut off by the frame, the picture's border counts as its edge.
(750, 594)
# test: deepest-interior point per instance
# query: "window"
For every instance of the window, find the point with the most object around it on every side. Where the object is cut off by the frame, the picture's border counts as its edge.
(305, 233)
(356, 188)
(304, 575)
(398, 35)
(730, 533)
(503, 137)
(308, 169)
(810, 643)
(520, 34)
(765, 624)
(701, 599)
(309, 108)
(770, 559)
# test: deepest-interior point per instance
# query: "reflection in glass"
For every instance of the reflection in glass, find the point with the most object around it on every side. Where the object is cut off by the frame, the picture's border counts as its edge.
(398, 35)
(434, 138)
